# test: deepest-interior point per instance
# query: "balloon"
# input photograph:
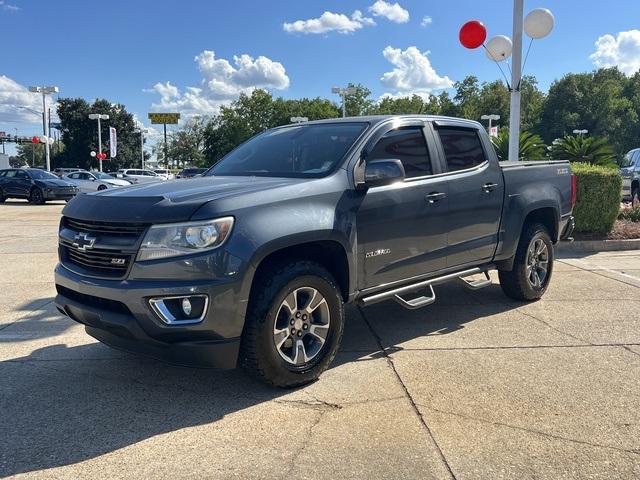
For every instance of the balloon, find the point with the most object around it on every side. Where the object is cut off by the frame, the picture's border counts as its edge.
(499, 48)
(35, 140)
(473, 34)
(538, 23)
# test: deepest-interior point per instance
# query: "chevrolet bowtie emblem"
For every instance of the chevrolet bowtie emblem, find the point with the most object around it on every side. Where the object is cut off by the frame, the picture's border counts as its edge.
(82, 241)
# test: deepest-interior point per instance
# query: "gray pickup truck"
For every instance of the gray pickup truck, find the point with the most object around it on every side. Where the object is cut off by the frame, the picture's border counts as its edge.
(254, 262)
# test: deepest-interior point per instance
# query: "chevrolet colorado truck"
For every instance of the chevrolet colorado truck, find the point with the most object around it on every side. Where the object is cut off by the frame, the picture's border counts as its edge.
(253, 263)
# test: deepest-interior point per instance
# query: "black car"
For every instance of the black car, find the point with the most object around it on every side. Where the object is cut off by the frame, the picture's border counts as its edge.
(191, 172)
(35, 185)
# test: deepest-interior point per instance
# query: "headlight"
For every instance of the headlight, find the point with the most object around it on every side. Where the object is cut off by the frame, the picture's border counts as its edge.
(174, 239)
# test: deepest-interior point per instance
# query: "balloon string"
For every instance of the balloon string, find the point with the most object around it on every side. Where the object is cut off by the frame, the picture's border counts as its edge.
(524, 64)
(498, 64)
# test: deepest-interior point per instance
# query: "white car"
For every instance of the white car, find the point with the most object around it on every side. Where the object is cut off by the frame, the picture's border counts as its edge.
(139, 176)
(164, 173)
(93, 181)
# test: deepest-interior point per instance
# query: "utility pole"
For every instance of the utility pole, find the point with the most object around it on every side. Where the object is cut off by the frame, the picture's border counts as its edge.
(343, 92)
(516, 74)
(142, 131)
(45, 131)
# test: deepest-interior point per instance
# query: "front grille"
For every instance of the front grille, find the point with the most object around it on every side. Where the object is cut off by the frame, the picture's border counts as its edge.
(111, 263)
(114, 248)
(115, 229)
(91, 301)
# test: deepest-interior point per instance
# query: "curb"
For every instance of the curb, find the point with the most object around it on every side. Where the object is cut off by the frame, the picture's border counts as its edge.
(582, 246)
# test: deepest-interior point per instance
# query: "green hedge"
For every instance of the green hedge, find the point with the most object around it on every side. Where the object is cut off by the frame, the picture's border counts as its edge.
(599, 195)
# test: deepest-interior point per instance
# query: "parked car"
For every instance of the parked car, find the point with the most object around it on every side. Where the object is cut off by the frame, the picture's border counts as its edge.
(630, 171)
(191, 172)
(61, 172)
(253, 263)
(139, 176)
(164, 173)
(35, 185)
(94, 181)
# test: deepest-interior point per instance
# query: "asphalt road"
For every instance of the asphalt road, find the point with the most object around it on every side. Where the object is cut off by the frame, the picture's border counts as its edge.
(473, 387)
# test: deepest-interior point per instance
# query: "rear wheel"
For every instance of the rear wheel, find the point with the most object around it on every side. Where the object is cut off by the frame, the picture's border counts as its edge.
(532, 267)
(36, 197)
(294, 325)
(635, 197)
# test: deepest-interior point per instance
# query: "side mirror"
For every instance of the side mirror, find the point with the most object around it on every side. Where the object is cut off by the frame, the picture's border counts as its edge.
(383, 172)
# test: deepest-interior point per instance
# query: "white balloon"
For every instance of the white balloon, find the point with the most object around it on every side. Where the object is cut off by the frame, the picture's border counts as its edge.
(499, 48)
(538, 23)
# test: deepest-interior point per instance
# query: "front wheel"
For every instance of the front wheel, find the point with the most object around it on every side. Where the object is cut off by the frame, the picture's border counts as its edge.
(102, 187)
(532, 267)
(36, 197)
(635, 198)
(294, 325)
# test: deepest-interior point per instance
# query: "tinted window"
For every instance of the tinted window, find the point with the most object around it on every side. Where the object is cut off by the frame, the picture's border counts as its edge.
(10, 173)
(2, 172)
(74, 176)
(311, 150)
(408, 145)
(462, 148)
(21, 174)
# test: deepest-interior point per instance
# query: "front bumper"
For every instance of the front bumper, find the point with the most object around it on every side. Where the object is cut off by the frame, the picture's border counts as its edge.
(55, 194)
(117, 313)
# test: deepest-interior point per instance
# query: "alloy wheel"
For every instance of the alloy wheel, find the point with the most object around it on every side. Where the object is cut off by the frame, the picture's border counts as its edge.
(537, 263)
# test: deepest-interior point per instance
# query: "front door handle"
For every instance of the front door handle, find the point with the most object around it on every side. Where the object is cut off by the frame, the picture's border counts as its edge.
(434, 197)
(489, 187)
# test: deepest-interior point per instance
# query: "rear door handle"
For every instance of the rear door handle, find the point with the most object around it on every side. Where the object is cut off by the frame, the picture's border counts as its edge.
(434, 197)
(489, 187)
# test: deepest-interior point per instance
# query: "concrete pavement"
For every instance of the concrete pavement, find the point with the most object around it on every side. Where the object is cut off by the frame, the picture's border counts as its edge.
(475, 386)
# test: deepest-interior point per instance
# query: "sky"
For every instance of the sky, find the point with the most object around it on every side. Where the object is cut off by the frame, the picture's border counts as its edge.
(193, 56)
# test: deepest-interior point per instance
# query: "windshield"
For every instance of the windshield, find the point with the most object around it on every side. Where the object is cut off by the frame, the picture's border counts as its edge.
(307, 151)
(42, 175)
(102, 175)
(626, 160)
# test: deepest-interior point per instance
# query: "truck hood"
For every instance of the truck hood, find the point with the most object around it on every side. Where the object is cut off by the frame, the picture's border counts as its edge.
(165, 202)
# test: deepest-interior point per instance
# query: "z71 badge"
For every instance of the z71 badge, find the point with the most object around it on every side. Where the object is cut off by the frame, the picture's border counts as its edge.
(377, 253)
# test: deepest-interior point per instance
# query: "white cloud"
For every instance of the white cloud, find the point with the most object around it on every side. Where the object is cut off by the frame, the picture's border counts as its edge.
(393, 12)
(222, 82)
(330, 22)
(426, 21)
(622, 51)
(9, 7)
(413, 73)
(16, 101)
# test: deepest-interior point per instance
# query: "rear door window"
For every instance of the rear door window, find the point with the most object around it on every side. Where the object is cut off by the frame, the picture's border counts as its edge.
(408, 145)
(462, 148)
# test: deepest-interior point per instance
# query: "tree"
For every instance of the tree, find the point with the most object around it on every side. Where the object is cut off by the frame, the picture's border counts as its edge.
(467, 98)
(531, 146)
(580, 148)
(359, 103)
(186, 146)
(80, 135)
(31, 154)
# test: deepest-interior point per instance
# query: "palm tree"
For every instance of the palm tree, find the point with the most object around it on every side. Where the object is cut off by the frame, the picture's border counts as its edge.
(579, 148)
(532, 147)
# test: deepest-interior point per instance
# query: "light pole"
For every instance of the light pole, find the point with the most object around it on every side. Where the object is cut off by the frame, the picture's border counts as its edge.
(142, 131)
(581, 132)
(99, 116)
(343, 92)
(491, 118)
(45, 125)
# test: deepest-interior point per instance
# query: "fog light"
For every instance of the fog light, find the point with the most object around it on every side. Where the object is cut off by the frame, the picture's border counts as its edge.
(186, 306)
(180, 310)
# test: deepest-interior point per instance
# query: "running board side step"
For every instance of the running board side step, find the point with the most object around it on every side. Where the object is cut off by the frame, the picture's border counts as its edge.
(397, 293)
(477, 284)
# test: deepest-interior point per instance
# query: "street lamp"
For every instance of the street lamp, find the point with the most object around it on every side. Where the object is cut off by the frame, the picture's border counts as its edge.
(141, 131)
(581, 132)
(343, 92)
(45, 125)
(490, 118)
(99, 116)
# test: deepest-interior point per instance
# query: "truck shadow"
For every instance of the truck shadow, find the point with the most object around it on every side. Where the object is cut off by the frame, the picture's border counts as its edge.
(63, 404)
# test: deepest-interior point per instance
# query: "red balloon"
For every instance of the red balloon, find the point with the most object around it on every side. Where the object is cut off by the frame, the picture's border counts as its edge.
(35, 140)
(473, 34)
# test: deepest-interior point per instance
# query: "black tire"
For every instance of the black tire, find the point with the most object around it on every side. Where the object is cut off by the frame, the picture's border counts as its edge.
(101, 187)
(517, 283)
(635, 197)
(2, 197)
(259, 354)
(36, 197)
